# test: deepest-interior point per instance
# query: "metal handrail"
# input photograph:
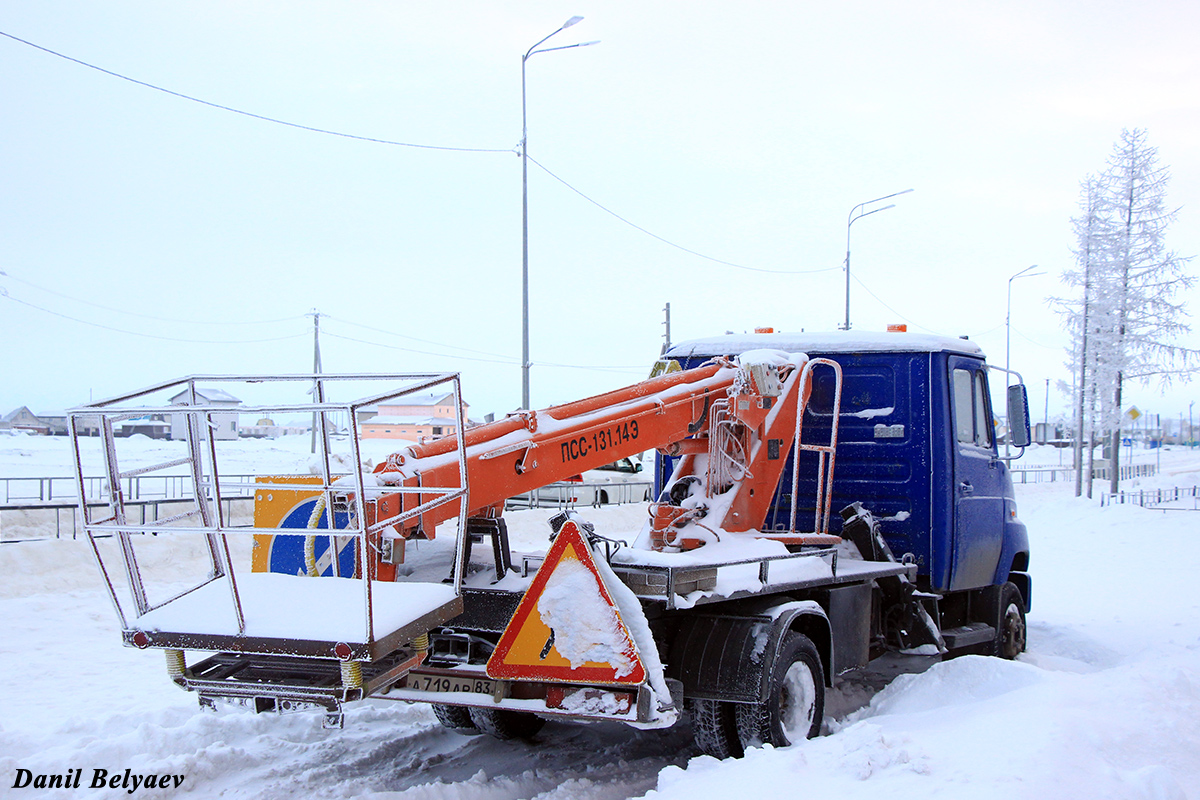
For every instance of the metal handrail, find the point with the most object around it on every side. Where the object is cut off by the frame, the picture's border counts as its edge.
(204, 490)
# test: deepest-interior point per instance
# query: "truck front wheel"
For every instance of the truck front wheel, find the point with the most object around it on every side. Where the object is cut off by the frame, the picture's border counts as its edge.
(1010, 635)
(795, 703)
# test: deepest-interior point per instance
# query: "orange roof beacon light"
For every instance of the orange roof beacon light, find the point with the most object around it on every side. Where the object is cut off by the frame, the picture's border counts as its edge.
(897, 328)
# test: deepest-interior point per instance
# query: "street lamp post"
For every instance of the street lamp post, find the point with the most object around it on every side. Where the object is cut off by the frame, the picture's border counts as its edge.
(1025, 273)
(525, 207)
(858, 213)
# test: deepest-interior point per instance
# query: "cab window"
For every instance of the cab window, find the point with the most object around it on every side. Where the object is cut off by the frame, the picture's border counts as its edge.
(972, 416)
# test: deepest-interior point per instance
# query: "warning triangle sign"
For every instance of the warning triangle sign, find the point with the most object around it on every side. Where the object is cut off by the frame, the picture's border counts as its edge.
(567, 627)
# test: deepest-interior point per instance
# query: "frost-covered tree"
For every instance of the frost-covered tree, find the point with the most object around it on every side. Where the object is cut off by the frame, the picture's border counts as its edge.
(1086, 318)
(1146, 276)
(1126, 321)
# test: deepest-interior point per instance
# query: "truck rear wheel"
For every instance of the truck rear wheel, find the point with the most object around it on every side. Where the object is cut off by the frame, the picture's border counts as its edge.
(714, 728)
(1010, 635)
(505, 724)
(456, 718)
(795, 704)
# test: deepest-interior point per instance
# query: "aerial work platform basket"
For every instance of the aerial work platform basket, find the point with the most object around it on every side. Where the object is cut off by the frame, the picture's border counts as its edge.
(335, 606)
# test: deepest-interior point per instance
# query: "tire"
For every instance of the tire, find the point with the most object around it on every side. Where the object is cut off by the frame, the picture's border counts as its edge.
(795, 706)
(1010, 632)
(714, 728)
(456, 718)
(504, 724)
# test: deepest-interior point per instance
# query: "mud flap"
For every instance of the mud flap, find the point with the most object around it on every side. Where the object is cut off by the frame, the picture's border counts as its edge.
(909, 615)
(730, 657)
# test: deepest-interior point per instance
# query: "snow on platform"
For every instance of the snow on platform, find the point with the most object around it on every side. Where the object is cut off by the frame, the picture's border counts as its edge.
(277, 606)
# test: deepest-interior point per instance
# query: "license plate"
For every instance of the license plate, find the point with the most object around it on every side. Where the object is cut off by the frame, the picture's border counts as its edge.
(449, 683)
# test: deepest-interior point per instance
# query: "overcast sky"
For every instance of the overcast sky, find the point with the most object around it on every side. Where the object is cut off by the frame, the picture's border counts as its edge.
(145, 236)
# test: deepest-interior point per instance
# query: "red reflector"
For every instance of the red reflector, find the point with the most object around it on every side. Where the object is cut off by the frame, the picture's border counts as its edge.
(342, 651)
(141, 639)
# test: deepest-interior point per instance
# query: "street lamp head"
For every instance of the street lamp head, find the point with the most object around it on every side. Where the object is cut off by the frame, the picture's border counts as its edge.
(856, 214)
(572, 21)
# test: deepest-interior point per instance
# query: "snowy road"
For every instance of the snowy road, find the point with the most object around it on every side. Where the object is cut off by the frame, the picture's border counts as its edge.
(1106, 703)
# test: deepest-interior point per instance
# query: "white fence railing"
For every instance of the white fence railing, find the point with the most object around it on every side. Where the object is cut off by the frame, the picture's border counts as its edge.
(45, 507)
(60, 491)
(1055, 474)
(1176, 498)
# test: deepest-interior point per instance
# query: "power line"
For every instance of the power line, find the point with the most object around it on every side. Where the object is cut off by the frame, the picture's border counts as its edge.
(894, 311)
(501, 360)
(250, 113)
(989, 330)
(413, 338)
(626, 369)
(930, 330)
(376, 140)
(4, 274)
(1031, 341)
(673, 244)
(5, 294)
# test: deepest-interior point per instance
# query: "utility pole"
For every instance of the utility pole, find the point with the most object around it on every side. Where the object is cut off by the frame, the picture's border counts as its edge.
(316, 315)
(1025, 273)
(667, 335)
(1046, 413)
(1158, 450)
(525, 365)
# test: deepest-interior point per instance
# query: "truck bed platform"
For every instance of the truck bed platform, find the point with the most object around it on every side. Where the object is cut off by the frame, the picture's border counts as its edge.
(297, 615)
(689, 585)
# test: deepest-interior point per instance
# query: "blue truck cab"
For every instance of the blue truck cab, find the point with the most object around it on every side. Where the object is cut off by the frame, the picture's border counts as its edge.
(917, 447)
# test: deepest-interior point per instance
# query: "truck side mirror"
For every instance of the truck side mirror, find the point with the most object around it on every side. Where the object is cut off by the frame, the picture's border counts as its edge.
(1018, 416)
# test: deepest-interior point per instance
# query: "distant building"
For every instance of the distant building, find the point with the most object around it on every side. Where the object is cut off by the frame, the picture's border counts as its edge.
(59, 423)
(153, 426)
(430, 415)
(56, 422)
(266, 428)
(22, 419)
(225, 423)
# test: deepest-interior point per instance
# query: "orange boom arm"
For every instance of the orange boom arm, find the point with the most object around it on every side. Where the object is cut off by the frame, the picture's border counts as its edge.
(733, 424)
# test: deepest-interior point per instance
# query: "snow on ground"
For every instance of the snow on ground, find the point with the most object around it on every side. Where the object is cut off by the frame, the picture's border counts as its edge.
(1106, 703)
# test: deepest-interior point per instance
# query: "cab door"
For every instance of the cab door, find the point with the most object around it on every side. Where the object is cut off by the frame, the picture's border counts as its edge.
(978, 479)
